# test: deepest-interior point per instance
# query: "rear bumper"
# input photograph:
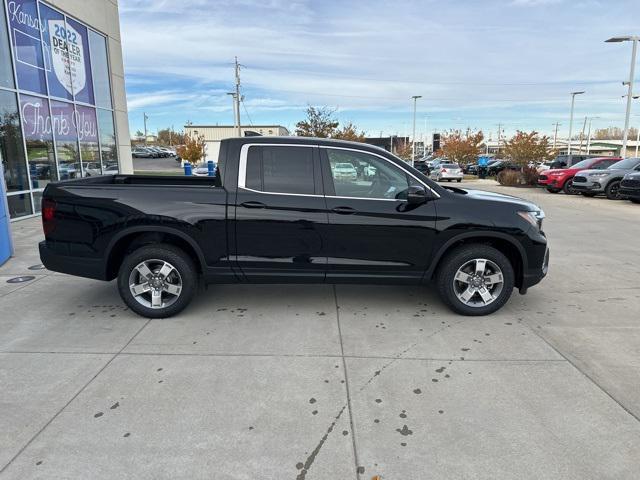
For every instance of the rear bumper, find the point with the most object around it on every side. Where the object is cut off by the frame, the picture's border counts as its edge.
(73, 265)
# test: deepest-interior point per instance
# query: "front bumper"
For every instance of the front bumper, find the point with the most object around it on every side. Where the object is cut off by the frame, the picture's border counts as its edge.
(630, 193)
(72, 265)
(588, 186)
(533, 276)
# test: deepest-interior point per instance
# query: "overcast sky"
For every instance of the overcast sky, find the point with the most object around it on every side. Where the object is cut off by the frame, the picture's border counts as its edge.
(476, 63)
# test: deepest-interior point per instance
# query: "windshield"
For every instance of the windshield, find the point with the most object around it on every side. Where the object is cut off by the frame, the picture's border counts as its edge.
(626, 164)
(582, 164)
(449, 165)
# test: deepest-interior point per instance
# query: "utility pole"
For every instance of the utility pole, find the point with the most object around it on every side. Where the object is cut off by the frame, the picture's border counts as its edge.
(498, 150)
(573, 99)
(634, 39)
(555, 134)
(589, 135)
(413, 138)
(144, 116)
(236, 99)
(582, 134)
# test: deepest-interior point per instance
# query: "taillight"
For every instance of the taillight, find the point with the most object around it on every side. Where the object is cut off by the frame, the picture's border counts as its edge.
(444, 170)
(48, 215)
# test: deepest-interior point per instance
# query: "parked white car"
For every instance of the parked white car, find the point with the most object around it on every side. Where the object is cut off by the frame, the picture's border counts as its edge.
(344, 171)
(448, 172)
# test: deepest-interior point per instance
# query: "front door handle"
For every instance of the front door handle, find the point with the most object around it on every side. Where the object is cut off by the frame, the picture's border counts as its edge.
(344, 210)
(253, 205)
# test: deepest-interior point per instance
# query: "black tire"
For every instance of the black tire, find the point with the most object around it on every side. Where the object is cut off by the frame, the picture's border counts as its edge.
(182, 263)
(589, 194)
(567, 188)
(635, 200)
(553, 190)
(612, 191)
(449, 180)
(459, 180)
(456, 259)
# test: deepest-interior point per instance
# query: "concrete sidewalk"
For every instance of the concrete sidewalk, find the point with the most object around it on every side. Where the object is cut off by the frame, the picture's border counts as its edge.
(324, 382)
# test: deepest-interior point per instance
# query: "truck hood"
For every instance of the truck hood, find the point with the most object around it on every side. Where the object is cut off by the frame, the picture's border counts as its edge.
(483, 195)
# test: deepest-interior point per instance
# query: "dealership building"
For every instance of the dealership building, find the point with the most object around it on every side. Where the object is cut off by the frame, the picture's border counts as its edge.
(63, 111)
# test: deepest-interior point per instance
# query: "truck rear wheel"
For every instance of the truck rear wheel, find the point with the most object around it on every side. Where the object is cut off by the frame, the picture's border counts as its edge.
(157, 281)
(475, 280)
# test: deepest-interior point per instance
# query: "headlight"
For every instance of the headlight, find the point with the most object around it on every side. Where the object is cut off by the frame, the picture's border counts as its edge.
(556, 174)
(533, 217)
(599, 174)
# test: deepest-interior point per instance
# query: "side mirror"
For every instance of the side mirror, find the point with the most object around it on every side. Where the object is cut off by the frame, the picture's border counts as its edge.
(416, 195)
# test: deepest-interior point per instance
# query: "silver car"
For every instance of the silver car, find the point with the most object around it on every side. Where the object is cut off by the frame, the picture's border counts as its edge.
(447, 171)
(593, 182)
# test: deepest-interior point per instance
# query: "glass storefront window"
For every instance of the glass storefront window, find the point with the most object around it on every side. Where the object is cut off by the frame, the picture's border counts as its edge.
(88, 136)
(19, 205)
(11, 146)
(36, 125)
(6, 72)
(27, 49)
(100, 68)
(108, 146)
(56, 53)
(56, 112)
(79, 61)
(66, 139)
(37, 202)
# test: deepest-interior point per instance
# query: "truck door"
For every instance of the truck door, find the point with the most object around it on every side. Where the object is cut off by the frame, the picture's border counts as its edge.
(280, 213)
(374, 235)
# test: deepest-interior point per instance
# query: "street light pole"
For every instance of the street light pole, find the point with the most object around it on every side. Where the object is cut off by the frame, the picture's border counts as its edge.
(413, 145)
(573, 99)
(634, 39)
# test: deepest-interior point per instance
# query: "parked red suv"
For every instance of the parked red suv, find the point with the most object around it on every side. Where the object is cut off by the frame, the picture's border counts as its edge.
(562, 178)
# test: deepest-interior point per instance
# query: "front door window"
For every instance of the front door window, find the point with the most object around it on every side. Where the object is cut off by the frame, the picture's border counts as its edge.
(361, 175)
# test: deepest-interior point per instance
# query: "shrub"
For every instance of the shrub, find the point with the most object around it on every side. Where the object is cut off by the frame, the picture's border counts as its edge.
(529, 176)
(509, 178)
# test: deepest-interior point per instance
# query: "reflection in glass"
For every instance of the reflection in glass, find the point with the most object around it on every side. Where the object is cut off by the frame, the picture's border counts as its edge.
(19, 205)
(88, 136)
(6, 72)
(56, 54)
(27, 48)
(109, 149)
(79, 62)
(66, 139)
(100, 68)
(11, 147)
(36, 125)
(37, 202)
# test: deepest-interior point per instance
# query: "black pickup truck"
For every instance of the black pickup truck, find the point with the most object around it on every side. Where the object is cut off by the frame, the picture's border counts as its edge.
(293, 210)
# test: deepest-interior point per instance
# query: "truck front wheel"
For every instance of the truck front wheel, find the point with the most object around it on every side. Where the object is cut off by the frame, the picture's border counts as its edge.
(157, 281)
(475, 279)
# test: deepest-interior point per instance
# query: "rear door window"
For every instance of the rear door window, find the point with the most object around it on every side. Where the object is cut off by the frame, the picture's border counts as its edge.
(280, 169)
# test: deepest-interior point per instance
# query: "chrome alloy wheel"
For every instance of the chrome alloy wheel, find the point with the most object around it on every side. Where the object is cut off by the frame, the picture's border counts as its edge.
(478, 282)
(155, 283)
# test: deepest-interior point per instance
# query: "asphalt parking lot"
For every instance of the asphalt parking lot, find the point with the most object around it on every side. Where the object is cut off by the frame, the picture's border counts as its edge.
(323, 382)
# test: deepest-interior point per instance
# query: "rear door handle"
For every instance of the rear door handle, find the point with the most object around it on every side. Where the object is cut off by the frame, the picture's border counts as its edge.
(344, 210)
(253, 205)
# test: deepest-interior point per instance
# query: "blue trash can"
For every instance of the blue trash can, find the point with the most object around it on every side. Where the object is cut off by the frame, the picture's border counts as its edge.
(187, 168)
(211, 168)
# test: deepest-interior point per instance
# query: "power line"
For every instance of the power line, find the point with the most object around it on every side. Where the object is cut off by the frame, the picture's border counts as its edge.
(246, 111)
